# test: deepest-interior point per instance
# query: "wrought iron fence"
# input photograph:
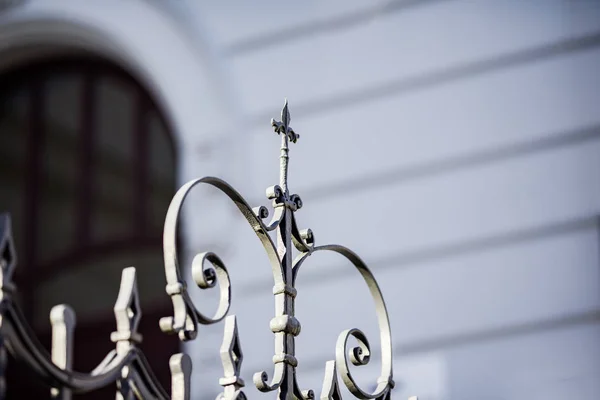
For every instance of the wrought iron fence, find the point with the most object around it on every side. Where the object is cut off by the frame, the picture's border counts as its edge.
(127, 366)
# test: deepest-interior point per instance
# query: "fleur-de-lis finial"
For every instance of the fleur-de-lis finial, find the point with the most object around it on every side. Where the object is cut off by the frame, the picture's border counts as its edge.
(284, 129)
(283, 126)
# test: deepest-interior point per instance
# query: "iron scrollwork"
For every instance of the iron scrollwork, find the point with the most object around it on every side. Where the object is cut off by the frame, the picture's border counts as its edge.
(126, 365)
(285, 268)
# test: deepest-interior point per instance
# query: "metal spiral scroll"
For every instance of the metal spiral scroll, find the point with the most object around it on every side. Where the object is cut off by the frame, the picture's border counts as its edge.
(186, 316)
(360, 355)
(284, 325)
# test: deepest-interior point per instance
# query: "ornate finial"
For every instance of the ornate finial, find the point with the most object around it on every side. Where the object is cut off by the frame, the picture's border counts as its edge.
(127, 312)
(231, 357)
(284, 126)
(284, 129)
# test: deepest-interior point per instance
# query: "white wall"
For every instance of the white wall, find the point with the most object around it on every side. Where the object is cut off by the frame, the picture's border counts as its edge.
(455, 145)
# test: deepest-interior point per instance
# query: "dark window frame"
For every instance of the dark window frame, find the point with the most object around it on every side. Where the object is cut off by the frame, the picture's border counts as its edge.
(92, 69)
(32, 273)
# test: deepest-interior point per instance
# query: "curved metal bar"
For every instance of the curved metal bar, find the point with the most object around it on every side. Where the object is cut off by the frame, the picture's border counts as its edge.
(303, 240)
(24, 345)
(278, 214)
(208, 278)
(261, 379)
(261, 382)
(360, 355)
(262, 212)
(145, 379)
(186, 316)
(302, 394)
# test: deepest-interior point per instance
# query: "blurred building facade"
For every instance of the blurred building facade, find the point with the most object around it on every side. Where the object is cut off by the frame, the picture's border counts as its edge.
(454, 145)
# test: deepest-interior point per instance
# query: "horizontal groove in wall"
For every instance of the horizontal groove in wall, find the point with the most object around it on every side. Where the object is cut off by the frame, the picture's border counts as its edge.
(313, 28)
(414, 258)
(448, 342)
(444, 166)
(453, 341)
(469, 338)
(445, 75)
(448, 165)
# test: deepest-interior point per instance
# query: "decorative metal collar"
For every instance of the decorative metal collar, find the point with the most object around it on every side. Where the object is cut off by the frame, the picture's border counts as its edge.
(127, 366)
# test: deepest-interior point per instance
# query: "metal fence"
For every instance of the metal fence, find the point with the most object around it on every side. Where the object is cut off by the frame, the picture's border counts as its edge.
(127, 367)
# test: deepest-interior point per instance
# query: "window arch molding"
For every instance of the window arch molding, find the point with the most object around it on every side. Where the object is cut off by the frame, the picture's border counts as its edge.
(177, 67)
(175, 64)
(163, 49)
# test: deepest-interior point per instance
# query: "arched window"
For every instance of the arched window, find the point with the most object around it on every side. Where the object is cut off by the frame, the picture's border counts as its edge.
(87, 171)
